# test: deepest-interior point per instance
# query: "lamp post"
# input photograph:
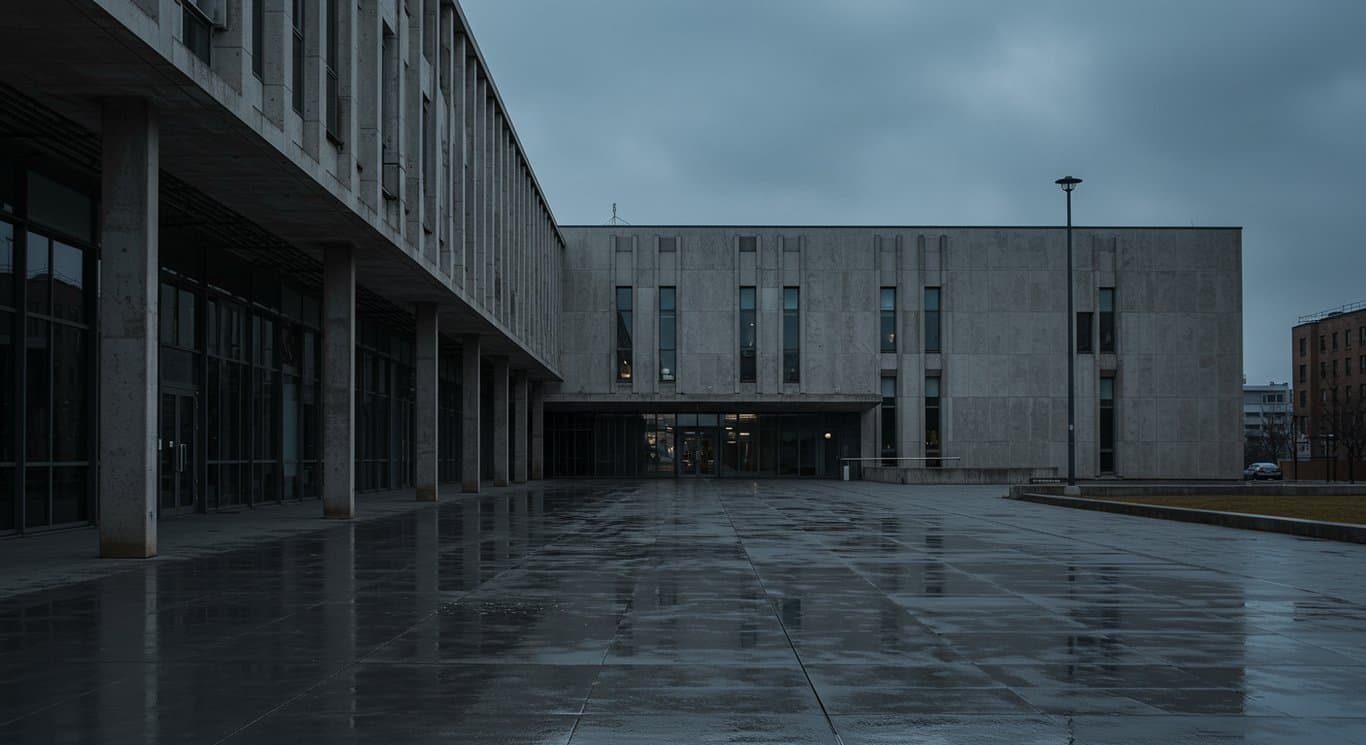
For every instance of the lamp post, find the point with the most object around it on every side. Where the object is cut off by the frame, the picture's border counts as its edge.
(1068, 183)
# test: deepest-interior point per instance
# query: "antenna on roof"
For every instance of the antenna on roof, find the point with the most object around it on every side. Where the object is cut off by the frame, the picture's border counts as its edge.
(616, 220)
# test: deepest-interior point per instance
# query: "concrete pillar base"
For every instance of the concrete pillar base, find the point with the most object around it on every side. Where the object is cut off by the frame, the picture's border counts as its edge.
(427, 494)
(1071, 491)
(128, 353)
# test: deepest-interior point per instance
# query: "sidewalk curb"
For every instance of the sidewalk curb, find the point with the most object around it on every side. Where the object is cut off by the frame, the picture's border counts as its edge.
(1346, 532)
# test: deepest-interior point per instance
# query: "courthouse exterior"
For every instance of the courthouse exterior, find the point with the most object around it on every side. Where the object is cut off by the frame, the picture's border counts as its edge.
(264, 250)
(752, 351)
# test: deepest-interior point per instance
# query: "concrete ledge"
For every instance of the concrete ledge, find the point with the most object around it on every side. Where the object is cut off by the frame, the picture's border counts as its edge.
(1231, 488)
(921, 475)
(1288, 525)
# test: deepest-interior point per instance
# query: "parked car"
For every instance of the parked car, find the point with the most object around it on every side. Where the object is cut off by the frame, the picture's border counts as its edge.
(1261, 472)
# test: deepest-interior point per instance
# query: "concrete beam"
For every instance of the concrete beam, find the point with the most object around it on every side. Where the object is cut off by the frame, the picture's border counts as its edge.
(339, 378)
(500, 421)
(519, 427)
(129, 274)
(537, 455)
(426, 406)
(469, 413)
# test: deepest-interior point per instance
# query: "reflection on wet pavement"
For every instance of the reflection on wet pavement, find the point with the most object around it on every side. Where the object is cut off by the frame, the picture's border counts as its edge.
(716, 611)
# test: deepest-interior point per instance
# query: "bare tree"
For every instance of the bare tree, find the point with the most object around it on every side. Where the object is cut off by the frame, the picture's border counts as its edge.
(1344, 431)
(1278, 437)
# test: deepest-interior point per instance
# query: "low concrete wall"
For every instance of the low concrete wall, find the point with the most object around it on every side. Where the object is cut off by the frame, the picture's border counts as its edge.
(1289, 525)
(920, 475)
(1231, 488)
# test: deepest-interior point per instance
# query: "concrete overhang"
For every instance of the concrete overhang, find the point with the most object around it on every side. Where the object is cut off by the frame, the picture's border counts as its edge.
(69, 54)
(766, 403)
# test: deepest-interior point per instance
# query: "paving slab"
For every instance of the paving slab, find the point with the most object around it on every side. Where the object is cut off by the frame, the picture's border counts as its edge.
(692, 611)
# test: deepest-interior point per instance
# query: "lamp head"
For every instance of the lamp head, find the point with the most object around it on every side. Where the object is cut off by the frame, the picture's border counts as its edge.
(1068, 183)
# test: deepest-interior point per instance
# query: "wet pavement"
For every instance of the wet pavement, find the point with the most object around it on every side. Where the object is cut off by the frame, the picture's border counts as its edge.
(698, 612)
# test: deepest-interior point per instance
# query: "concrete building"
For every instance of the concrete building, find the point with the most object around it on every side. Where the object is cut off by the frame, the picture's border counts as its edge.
(782, 350)
(255, 251)
(260, 250)
(1266, 422)
(1328, 357)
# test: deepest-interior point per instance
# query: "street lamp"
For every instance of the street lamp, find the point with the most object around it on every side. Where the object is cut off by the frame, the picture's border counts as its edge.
(1068, 183)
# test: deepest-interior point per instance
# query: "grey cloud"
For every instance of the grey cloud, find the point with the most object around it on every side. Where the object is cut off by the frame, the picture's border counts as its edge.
(893, 111)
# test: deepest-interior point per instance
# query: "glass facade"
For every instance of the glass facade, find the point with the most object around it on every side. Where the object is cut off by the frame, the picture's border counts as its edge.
(625, 328)
(1107, 424)
(887, 319)
(47, 345)
(748, 366)
(792, 335)
(1107, 321)
(889, 419)
(933, 442)
(239, 380)
(668, 334)
(686, 444)
(932, 325)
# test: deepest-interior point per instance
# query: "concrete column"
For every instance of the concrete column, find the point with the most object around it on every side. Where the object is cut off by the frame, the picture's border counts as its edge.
(537, 456)
(500, 421)
(339, 378)
(469, 413)
(519, 428)
(128, 329)
(426, 405)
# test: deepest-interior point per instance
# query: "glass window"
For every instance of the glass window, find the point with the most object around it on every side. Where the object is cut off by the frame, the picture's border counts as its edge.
(71, 416)
(8, 190)
(298, 81)
(1302, 345)
(791, 335)
(751, 243)
(333, 123)
(7, 372)
(887, 308)
(68, 282)
(196, 31)
(38, 397)
(932, 329)
(1084, 332)
(1107, 425)
(6, 498)
(1335, 341)
(1303, 374)
(6, 265)
(748, 335)
(889, 419)
(39, 275)
(1107, 319)
(60, 207)
(668, 332)
(258, 37)
(933, 444)
(624, 330)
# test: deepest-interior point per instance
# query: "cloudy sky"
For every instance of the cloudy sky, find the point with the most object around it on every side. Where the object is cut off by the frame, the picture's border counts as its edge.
(1175, 112)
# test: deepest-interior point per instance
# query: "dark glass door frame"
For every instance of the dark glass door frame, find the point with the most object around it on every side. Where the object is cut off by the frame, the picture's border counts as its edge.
(694, 440)
(185, 456)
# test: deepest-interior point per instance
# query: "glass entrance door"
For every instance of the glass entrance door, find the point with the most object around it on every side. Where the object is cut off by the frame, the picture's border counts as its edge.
(176, 450)
(698, 453)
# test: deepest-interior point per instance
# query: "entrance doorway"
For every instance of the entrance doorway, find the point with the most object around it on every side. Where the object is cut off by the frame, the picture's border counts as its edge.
(698, 456)
(176, 452)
